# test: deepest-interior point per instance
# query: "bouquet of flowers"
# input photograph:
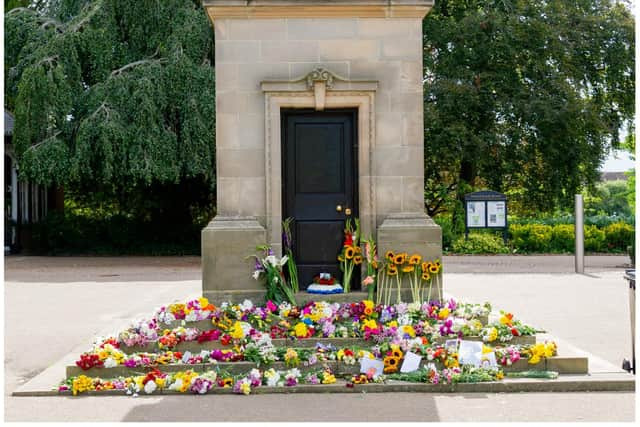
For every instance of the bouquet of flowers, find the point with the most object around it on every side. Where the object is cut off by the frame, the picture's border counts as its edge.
(288, 249)
(371, 257)
(351, 254)
(271, 268)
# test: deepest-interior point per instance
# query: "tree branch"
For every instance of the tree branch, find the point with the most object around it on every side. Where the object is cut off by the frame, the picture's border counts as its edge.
(136, 64)
(34, 146)
(87, 17)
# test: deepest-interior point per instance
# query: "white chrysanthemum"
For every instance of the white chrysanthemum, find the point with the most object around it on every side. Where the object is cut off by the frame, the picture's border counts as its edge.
(176, 385)
(404, 320)
(191, 317)
(150, 387)
(110, 362)
(246, 305)
(256, 274)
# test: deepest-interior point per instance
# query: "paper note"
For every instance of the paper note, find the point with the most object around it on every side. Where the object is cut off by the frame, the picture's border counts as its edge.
(411, 362)
(366, 364)
(489, 360)
(451, 345)
(470, 353)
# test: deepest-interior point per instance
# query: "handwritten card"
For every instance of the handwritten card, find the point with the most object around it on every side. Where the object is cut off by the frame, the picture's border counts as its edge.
(367, 364)
(470, 353)
(411, 362)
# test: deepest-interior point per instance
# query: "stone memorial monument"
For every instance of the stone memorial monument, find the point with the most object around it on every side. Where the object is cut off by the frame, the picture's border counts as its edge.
(319, 117)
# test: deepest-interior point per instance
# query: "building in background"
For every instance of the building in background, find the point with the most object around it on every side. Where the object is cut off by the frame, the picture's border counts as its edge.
(25, 203)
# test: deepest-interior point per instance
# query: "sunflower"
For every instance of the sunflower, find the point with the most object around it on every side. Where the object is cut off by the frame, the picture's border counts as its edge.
(433, 268)
(374, 264)
(357, 260)
(349, 252)
(426, 276)
(400, 258)
(415, 259)
(390, 256)
(396, 352)
(340, 258)
(425, 266)
(392, 270)
(358, 249)
(408, 269)
(391, 364)
(226, 382)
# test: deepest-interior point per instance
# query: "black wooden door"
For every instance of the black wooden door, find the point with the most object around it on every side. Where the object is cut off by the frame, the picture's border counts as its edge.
(319, 186)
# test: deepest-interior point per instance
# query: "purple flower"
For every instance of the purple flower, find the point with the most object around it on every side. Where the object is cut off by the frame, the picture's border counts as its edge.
(452, 304)
(130, 363)
(291, 381)
(446, 328)
(201, 385)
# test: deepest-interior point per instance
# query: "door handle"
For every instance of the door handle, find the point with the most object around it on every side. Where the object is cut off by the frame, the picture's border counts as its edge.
(347, 211)
(339, 208)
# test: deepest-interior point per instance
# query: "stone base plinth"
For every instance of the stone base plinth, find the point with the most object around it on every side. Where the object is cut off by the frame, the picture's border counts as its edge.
(227, 265)
(413, 233)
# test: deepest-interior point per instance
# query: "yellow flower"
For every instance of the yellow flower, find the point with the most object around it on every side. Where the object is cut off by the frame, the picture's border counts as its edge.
(408, 269)
(400, 258)
(395, 351)
(370, 323)
(415, 259)
(374, 264)
(357, 260)
(500, 375)
(368, 303)
(392, 270)
(245, 388)
(203, 302)
(300, 330)
(425, 276)
(493, 335)
(349, 252)
(389, 256)
(408, 329)
(444, 313)
(81, 384)
(328, 377)
(425, 266)
(392, 324)
(358, 249)
(237, 332)
(340, 258)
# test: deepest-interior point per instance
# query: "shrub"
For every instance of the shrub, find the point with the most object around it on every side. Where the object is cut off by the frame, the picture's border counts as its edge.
(619, 236)
(482, 243)
(594, 239)
(563, 238)
(448, 233)
(531, 237)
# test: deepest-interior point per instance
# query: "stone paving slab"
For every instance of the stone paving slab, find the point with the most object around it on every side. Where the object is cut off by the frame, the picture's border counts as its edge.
(565, 383)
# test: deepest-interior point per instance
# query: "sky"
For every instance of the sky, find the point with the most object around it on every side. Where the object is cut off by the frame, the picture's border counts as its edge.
(618, 161)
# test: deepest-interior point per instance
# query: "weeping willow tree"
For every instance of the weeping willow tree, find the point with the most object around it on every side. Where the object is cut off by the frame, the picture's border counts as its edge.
(116, 98)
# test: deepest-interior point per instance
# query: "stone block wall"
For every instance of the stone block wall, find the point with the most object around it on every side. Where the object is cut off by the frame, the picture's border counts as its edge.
(249, 51)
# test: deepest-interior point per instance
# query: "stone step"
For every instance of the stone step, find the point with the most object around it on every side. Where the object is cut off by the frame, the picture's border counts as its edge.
(205, 325)
(619, 382)
(562, 365)
(196, 347)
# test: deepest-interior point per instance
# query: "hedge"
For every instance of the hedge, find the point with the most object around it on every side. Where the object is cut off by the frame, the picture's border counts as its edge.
(543, 238)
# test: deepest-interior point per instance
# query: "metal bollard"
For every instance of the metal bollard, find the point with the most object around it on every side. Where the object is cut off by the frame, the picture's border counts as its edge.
(579, 215)
(630, 365)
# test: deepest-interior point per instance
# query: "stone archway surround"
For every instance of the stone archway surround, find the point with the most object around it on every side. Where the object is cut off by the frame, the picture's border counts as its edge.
(305, 93)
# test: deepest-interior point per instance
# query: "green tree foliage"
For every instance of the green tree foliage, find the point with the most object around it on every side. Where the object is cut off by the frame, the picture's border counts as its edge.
(524, 97)
(608, 198)
(113, 95)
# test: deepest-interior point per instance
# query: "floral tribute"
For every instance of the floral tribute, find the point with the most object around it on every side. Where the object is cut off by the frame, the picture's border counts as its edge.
(286, 345)
(351, 255)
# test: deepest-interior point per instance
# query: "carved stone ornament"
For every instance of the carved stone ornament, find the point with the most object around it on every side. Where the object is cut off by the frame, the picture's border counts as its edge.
(321, 75)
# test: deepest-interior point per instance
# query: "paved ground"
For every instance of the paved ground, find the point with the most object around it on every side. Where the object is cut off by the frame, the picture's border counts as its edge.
(61, 303)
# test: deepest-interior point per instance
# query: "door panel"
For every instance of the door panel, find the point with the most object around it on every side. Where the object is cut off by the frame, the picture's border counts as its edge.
(319, 173)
